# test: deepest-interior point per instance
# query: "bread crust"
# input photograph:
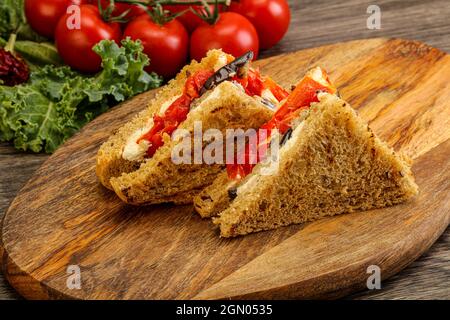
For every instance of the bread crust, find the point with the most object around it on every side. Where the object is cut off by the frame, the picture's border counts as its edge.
(214, 198)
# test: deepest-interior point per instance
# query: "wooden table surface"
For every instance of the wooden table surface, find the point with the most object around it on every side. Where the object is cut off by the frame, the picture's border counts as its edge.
(316, 23)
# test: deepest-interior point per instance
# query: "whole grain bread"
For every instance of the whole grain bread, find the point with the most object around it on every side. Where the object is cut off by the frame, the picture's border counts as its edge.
(159, 179)
(110, 162)
(215, 198)
(332, 164)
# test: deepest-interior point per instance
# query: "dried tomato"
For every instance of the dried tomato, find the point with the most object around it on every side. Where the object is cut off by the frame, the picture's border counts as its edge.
(13, 70)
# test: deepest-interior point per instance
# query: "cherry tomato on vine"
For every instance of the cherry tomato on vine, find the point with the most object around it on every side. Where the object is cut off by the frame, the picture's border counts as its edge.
(75, 45)
(165, 44)
(43, 15)
(271, 18)
(120, 8)
(232, 32)
(188, 19)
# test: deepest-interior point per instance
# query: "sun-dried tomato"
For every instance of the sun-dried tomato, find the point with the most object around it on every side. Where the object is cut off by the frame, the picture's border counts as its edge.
(13, 70)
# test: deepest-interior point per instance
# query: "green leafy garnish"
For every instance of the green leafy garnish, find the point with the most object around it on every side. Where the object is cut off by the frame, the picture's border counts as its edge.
(57, 101)
(12, 16)
(13, 20)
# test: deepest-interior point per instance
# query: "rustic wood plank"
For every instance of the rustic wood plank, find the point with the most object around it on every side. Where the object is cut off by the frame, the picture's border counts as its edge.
(315, 23)
(426, 278)
(17, 168)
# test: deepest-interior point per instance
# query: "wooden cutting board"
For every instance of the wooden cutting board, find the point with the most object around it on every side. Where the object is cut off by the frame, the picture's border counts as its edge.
(64, 217)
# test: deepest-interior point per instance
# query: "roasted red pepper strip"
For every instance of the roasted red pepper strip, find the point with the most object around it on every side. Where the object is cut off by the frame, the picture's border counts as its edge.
(254, 85)
(176, 113)
(303, 95)
(276, 90)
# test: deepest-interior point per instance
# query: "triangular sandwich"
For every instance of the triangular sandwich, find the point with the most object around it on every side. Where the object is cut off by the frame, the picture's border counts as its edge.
(329, 162)
(220, 93)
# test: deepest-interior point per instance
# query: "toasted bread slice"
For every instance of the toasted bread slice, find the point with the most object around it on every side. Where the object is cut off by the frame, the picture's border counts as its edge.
(216, 197)
(159, 179)
(332, 164)
(110, 162)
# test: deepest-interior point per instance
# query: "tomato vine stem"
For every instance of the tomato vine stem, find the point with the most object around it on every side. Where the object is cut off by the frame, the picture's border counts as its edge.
(161, 16)
(173, 2)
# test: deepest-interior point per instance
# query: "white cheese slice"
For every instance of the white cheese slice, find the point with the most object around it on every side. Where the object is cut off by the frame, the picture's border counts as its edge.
(167, 104)
(134, 151)
(317, 75)
(267, 94)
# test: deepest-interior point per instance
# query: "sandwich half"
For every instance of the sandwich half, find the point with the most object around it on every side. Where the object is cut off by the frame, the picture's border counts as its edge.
(220, 93)
(328, 162)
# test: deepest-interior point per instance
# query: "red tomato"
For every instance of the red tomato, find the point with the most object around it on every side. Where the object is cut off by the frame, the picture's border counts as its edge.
(271, 18)
(43, 15)
(166, 45)
(75, 45)
(188, 19)
(119, 8)
(232, 32)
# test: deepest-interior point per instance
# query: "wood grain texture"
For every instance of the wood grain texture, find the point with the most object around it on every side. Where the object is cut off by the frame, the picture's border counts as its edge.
(63, 216)
(318, 22)
(314, 23)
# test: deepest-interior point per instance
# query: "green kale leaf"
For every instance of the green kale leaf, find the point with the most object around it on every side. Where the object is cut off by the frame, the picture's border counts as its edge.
(57, 101)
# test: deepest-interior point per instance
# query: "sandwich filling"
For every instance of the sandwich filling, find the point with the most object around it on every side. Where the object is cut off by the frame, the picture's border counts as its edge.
(285, 119)
(146, 141)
